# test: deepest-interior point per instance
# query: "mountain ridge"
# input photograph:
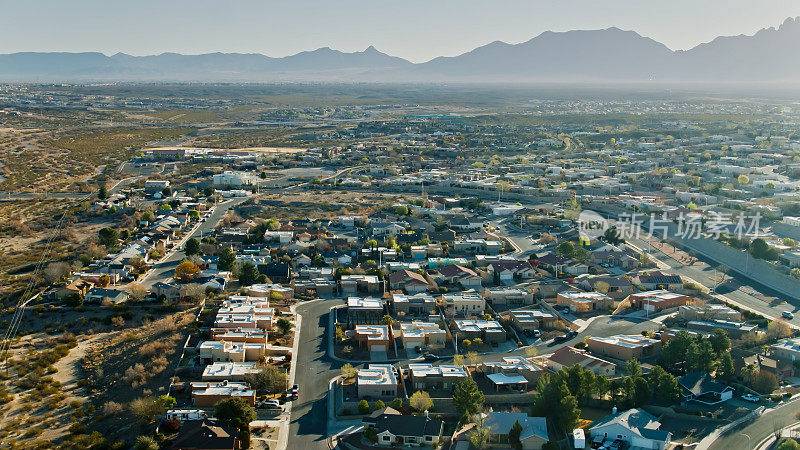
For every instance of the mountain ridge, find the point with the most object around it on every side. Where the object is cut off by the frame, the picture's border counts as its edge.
(605, 55)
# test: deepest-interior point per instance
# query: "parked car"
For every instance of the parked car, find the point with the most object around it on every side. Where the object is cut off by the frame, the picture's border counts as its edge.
(571, 334)
(751, 398)
(787, 315)
(561, 338)
(430, 357)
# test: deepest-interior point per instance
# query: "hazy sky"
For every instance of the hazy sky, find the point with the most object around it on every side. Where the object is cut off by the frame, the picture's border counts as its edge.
(417, 30)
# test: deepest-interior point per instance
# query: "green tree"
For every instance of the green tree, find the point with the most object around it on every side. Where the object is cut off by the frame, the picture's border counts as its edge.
(397, 403)
(270, 379)
(284, 326)
(234, 412)
(726, 370)
(108, 236)
(192, 247)
(641, 392)
(401, 210)
(513, 436)
(789, 444)
(565, 249)
(479, 437)
(226, 259)
(348, 371)
(102, 193)
(720, 342)
(248, 274)
(633, 368)
(467, 398)
(421, 401)
(378, 405)
(363, 407)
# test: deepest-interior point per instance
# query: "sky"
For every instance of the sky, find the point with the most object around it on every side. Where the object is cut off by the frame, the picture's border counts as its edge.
(417, 30)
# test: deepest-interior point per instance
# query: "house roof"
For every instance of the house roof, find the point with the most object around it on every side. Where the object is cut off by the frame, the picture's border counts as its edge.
(204, 434)
(551, 259)
(638, 421)
(456, 270)
(699, 383)
(407, 276)
(418, 426)
(501, 423)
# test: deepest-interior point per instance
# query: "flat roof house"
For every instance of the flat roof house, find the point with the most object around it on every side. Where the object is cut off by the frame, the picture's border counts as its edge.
(426, 335)
(532, 319)
(350, 284)
(489, 330)
(233, 371)
(364, 310)
(428, 377)
(658, 300)
(624, 347)
(412, 305)
(377, 381)
(221, 351)
(206, 394)
(464, 304)
(507, 296)
(786, 349)
(582, 302)
(512, 373)
(375, 338)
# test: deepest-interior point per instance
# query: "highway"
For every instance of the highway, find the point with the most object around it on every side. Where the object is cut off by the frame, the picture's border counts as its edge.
(746, 438)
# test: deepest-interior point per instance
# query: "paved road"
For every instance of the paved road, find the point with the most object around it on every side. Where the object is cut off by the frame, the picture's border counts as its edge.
(164, 269)
(736, 287)
(308, 429)
(747, 437)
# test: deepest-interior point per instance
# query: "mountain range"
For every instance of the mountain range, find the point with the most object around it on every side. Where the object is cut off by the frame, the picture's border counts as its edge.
(771, 55)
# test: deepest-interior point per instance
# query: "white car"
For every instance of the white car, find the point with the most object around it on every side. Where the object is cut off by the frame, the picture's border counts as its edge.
(751, 398)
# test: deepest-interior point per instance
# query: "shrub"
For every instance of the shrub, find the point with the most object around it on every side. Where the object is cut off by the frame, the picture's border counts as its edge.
(112, 408)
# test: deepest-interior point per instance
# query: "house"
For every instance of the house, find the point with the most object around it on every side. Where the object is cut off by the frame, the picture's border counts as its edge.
(490, 331)
(465, 224)
(377, 381)
(102, 295)
(77, 287)
(206, 394)
(168, 291)
(781, 368)
(233, 371)
(507, 296)
(566, 357)
(350, 284)
(425, 335)
(412, 305)
(534, 429)
(736, 330)
(624, 347)
(276, 272)
(427, 377)
(517, 373)
(204, 435)
(532, 319)
(619, 287)
(636, 428)
(659, 281)
(703, 388)
(558, 265)
(508, 271)
(213, 351)
(400, 430)
(410, 282)
(477, 246)
(657, 300)
(583, 302)
(786, 349)
(362, 310)
(708, 312)
(458, 274)
(465, 304)
(375, 338)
